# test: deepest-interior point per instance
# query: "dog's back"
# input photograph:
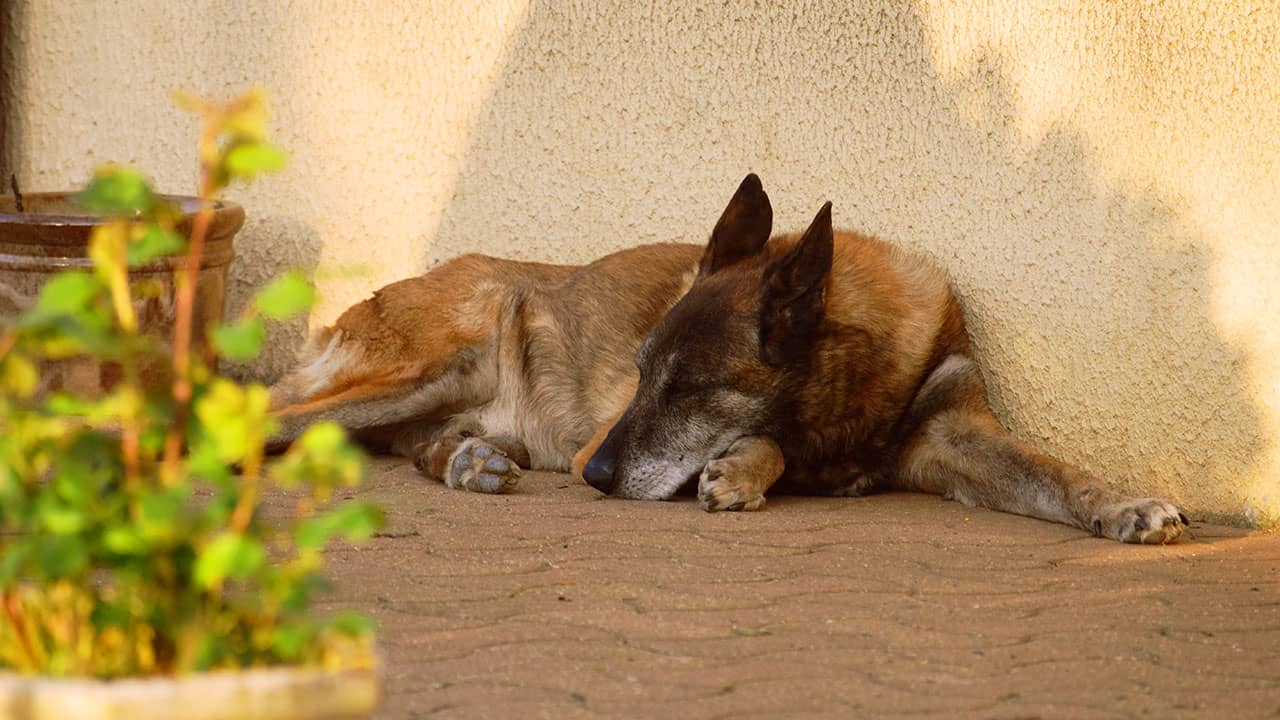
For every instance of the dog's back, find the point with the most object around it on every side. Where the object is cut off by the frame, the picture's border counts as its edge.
(537, 352)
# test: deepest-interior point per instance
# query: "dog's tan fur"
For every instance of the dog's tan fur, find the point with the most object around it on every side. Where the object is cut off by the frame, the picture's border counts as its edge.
(483, 366)
(483, 346)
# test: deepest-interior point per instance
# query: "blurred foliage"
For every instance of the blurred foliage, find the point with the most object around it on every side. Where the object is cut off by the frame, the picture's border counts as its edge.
(132, 537)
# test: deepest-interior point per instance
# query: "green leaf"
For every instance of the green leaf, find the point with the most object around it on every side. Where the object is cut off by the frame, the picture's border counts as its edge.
(68, 293)
(285, 296)
(205, 459)
(58, 518)
(322, 457)
(108, 614)
(156, 242)
(61, 556)
(228, 556)
(76, 481)
(211, 650)
(353, 624)
(124, 540)
(18, 375)
(322, 439)
(90, 408)
(63, 336)
(355, 521)
(14, 559)
(288, 641)
(242, 341)
(117, 190)
(244, 160)
(13, 496)
(162, 514)
(233, 420)
(89, 472)
(297, 593)
(311, 534)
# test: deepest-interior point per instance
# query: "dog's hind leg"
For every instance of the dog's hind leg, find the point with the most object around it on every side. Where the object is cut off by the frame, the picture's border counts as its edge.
(418, 350)
(462, 457)
(374, 396)
(957, 448)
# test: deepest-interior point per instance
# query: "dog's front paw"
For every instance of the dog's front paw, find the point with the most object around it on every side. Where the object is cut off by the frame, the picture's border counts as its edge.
(726, 485)
(1145, 520)
(475, 465)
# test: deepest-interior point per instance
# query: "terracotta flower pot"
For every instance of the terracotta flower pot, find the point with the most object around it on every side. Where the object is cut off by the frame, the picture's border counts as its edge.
(268, 694)
(53, 235)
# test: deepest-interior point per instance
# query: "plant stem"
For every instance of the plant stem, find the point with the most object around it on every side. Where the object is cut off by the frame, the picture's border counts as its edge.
(248, 499)
(130, 430)
(184, 302)
(7, 340)
(13, 611)
(115, 241)
(249, 477)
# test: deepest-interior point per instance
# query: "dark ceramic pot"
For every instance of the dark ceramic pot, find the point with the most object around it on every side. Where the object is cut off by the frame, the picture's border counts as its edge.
(52, 234)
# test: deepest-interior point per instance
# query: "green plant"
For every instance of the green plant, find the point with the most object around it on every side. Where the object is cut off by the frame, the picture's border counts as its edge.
(133, 539)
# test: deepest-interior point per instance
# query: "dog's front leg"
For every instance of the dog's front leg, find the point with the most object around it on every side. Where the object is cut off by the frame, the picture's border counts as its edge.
(739, 479)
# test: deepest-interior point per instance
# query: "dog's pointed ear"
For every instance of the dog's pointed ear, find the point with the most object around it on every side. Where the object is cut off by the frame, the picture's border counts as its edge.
(793, 289)
(742, 230)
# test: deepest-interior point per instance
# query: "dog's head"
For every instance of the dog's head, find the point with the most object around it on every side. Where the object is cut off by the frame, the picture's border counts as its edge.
(727, 358)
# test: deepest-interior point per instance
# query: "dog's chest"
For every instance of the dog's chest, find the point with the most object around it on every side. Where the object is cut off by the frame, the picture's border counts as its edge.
(836, 481)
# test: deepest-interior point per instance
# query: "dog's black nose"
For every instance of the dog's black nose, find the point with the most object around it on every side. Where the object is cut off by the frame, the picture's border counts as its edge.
(598, 472)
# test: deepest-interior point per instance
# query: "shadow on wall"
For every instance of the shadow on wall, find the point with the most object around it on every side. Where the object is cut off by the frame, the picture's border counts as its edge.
(373, 104)
(1088, 302)
(280, 241)
(8, 19)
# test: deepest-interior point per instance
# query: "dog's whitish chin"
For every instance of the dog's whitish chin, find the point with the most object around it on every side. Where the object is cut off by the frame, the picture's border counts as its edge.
(664, 487)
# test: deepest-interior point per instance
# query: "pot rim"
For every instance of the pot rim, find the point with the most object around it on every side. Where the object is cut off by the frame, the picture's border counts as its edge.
(73, 231)
(277, 692)
(214, 676)
(189, 204)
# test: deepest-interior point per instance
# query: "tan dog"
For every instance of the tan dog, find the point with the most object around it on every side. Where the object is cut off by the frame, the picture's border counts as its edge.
(820, 362)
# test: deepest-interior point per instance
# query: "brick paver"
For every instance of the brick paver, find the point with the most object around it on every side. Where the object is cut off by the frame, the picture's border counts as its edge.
(554, 602)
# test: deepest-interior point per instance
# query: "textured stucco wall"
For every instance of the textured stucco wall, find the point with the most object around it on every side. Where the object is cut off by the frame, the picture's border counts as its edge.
(1101, 178)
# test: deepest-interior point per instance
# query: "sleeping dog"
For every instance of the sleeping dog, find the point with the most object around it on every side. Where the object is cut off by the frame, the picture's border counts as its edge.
(818, 362)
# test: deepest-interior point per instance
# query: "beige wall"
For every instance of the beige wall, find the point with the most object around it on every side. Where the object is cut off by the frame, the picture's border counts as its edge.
(1101, 178)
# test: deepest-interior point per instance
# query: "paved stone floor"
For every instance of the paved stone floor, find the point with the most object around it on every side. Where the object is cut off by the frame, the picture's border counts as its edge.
(554, 602)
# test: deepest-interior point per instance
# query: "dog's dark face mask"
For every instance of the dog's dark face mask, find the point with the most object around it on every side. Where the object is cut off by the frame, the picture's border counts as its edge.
(721, 364)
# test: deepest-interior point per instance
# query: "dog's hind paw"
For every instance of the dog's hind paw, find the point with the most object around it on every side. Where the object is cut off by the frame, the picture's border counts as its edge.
(474, 465)
(480, 467)
(1145, 520)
